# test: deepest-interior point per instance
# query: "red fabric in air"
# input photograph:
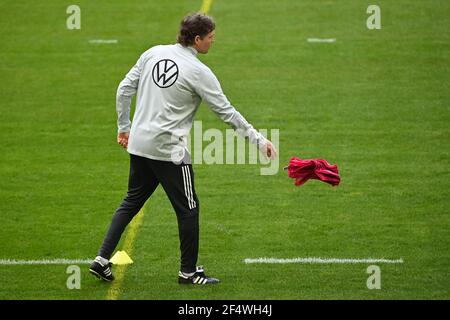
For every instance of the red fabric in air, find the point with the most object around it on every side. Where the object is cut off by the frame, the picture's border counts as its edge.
(303, 170)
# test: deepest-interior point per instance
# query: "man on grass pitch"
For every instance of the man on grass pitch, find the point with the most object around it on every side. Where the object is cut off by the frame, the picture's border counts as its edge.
(170, 82)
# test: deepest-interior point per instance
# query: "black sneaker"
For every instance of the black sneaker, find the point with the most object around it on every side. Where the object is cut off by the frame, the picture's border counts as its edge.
(199, 277)
(101, 271)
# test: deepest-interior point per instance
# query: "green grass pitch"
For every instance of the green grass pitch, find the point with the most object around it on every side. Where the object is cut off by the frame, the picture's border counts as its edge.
(376, 102)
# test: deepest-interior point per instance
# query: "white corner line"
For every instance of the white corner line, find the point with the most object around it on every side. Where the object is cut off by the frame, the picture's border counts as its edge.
(328, 40)
(10, 262)
(104, 41)
(314, 260)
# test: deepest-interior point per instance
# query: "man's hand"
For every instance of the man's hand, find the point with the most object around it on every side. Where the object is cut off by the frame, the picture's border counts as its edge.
(269, 151)
(122, 139)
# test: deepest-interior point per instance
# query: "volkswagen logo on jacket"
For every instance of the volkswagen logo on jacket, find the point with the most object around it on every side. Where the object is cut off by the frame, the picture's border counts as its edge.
(165, 73)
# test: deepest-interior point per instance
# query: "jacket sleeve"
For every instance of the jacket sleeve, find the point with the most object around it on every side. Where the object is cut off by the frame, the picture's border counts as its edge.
(209, 89)
(125, 92)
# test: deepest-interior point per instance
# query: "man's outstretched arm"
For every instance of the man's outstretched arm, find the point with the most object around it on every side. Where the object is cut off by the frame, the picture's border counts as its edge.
(210, 91)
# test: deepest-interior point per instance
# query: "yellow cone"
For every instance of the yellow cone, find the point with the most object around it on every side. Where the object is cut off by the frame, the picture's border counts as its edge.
(121, 257)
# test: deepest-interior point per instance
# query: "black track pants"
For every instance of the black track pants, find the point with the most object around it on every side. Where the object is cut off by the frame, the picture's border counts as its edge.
(178, 183)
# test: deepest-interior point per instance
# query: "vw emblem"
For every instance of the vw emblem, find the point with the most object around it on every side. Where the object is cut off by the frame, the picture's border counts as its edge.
(165, 73)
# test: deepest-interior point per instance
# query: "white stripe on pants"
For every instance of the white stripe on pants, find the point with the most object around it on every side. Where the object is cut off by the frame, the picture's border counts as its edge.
(188, 187)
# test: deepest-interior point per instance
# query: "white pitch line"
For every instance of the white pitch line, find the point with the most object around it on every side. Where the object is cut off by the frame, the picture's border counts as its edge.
(10, 262)
(320, 260)
(104, 41)
(330, 40)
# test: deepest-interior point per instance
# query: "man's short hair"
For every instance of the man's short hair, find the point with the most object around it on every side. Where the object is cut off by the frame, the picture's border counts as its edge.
(196, 24)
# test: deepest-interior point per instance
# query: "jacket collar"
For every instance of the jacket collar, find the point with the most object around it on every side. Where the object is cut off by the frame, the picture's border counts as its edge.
(190, 49)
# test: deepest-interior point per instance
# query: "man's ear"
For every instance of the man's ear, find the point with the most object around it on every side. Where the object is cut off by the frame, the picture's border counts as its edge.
(197, 38)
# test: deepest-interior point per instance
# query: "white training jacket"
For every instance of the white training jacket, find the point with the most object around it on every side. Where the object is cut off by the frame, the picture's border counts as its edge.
(170, 82)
